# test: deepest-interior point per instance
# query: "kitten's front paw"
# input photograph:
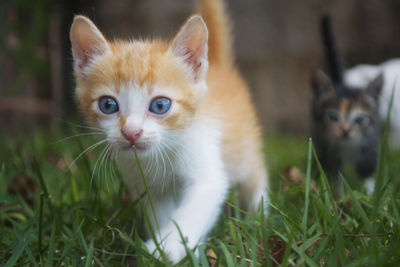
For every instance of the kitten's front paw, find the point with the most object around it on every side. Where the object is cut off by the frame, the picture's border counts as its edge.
(172, 248)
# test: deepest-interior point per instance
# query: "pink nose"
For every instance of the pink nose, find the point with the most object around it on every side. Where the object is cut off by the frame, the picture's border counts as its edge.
(131, 134)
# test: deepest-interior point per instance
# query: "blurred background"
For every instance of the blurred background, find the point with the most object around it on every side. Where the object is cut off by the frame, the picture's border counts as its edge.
(277, 47)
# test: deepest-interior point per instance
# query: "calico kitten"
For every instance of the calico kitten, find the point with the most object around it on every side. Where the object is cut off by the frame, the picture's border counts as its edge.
(345, 120)
(188, 113)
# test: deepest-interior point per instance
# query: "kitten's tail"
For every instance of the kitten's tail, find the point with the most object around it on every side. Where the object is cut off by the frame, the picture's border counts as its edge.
(333, 57)
(219, 40)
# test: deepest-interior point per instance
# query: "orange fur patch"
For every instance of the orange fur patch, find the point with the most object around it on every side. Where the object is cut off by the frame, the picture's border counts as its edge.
(142, 63)
(344, 106)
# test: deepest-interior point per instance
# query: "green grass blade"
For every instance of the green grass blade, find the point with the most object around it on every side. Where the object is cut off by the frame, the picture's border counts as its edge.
(325, 187)
(286, 253)
(126, 247)
(19, 249)
(146, 188)
(286, 216)
(50, 256)
(202, 255)
(295, 248)
(128, 239)
(395, 210)
(40, 223)
(89, 255)
(37, 169)
(307, 193)
(31, 258)
(153, 234)
(67, 248)
(189, 252)
(228, 256)
(357, 205)
(147, 219)
(380, 174)
(81, 238)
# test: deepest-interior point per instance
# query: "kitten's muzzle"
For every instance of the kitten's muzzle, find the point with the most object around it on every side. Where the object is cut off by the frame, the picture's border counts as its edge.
(346, 133)
(132, 135)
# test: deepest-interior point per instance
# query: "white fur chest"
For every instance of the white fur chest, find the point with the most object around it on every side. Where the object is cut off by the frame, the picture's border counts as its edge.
(182, 157)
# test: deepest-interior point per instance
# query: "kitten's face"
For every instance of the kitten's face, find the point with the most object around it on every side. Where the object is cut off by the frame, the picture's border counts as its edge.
(140, 93)
(346, 120)
(346, 115)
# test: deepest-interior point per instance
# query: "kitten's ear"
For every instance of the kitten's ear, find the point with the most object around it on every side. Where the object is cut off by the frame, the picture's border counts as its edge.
(321, 83)
(87, 43)
(190, 43)
(374, 88)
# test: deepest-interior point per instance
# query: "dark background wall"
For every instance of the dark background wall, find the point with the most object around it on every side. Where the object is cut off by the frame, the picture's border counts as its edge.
(277, 46)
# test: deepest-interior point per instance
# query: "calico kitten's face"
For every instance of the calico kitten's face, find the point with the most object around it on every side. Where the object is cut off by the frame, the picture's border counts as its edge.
(140, 93)
(347, 119)
(346, 115)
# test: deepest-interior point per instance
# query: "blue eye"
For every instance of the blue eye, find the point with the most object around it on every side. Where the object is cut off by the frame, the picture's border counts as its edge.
(108, 105)
(160, 105)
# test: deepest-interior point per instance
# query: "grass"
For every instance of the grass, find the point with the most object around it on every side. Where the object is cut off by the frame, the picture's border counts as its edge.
(55, 213)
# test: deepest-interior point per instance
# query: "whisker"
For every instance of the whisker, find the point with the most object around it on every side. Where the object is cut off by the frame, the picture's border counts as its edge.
(164, 170)
(149, 164)
(112, 164)
(94, 169)
(176, 154)
(104, 167)
(155, 176)
(75, 135)
(86, 151)
(111, 161)
(172, 170)
(146, 169)
(83, 126)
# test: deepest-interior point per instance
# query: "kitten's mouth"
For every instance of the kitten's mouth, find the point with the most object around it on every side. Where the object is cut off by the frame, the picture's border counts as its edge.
(137, 146)
(141, 146)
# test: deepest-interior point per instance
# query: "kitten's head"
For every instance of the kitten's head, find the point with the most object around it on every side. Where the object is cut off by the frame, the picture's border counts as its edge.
(345, 115)
(139, 92)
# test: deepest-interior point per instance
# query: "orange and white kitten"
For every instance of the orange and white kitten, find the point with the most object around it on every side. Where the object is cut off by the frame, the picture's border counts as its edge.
(188, 113)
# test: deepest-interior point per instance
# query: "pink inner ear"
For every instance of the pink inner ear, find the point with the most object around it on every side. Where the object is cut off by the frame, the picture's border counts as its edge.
(191, 45)
(192, 58)
(86, 51)
(87, 42)
(83, 58)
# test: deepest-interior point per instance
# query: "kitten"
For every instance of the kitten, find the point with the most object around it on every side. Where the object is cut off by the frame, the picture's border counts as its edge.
(360, 75)
(186, 110)
(345, 120)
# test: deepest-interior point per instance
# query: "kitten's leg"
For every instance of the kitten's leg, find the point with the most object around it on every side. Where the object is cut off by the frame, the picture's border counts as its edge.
(369, 185)
(367, 164)
(366, 167)
(163, 209)
(199, 208)
(253, 189)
